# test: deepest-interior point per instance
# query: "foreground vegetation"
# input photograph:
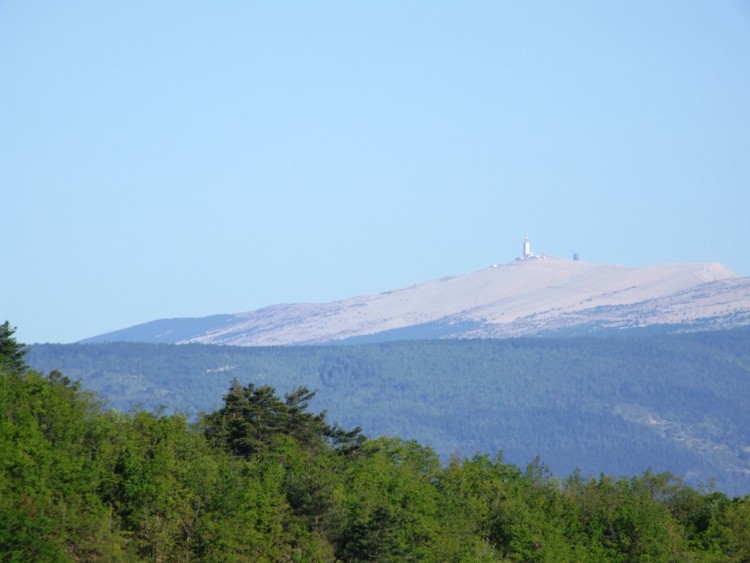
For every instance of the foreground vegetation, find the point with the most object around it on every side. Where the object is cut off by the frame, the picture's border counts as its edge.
(264, 479)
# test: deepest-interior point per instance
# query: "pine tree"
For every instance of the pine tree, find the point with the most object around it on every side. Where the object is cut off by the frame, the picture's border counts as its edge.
(11, 352)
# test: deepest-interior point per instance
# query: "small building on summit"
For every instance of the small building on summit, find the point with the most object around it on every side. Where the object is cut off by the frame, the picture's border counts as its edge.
(526, 249)
(527, 254)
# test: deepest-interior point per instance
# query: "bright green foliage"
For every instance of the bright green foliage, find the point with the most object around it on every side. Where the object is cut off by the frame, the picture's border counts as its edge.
(244, 514)
(50, 472)
(728, 535)
(262, 479)
(389, 503)
(627, 523)
(468, 494)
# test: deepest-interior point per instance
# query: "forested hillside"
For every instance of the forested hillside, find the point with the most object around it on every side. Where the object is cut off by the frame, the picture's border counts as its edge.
(669, 402)
(264, 478)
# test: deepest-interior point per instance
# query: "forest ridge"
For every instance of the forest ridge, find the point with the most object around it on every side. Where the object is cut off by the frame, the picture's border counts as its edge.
(262, 478)
(676, 402)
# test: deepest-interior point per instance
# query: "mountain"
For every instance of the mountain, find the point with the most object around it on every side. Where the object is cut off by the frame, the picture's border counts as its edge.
(534, 296)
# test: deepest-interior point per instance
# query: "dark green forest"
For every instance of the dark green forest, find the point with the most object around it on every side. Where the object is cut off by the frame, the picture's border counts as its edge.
(265, 478)
(678, 403)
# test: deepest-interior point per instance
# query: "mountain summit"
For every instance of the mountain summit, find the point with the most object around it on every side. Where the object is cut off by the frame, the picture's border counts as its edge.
(531, 296)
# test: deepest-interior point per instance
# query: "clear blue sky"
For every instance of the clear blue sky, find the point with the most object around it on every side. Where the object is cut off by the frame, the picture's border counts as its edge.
(170, 159)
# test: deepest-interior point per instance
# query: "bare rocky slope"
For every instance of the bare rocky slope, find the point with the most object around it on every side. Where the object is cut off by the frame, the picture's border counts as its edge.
(526, 297)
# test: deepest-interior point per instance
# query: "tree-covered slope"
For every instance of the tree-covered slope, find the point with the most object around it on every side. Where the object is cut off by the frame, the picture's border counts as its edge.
(670, 402)
(263, 478)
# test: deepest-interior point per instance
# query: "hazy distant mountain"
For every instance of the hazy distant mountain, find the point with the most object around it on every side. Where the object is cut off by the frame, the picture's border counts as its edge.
(526, 297)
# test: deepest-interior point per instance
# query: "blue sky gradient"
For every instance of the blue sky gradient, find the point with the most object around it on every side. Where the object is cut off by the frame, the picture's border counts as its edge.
(170, 159)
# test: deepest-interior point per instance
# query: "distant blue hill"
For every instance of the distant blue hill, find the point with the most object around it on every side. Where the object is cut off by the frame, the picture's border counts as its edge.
(164, 331)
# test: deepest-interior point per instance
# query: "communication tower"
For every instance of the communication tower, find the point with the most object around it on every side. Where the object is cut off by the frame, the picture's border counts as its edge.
(526, 248)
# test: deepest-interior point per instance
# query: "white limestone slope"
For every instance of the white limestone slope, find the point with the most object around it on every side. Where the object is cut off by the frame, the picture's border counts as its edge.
(522, 297)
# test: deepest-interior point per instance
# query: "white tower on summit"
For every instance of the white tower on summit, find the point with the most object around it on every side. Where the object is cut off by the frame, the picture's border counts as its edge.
(526, 248)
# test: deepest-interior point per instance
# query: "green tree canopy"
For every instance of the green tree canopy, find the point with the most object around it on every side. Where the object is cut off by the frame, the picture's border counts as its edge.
(11, 352)
(254, 420)
(265, 479)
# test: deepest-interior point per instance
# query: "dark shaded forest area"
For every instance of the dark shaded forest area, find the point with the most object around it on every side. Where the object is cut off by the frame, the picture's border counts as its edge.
(262, 478)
